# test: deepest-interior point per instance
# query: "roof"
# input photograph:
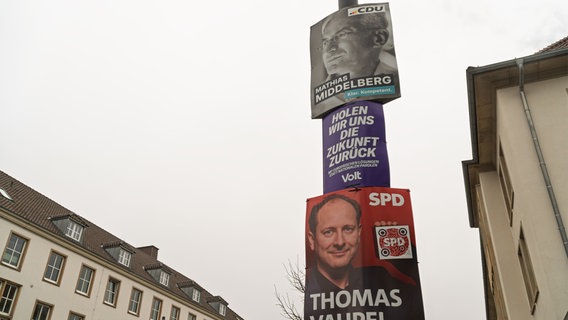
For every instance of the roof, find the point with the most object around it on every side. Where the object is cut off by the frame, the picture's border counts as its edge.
(481, 83)
(560, 44)
(34, 208)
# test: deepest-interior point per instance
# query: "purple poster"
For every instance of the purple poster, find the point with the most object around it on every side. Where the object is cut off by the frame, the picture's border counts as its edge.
(354, 147)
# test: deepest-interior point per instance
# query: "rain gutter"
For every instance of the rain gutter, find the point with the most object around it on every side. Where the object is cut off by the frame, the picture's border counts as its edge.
(542, 163)
(471, 73)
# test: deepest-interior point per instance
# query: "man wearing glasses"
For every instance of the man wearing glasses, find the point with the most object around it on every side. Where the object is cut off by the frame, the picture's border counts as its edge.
(353, 58)
(354, 45)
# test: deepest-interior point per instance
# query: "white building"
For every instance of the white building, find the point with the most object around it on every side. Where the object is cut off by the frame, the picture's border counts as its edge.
(58, 265)
(517, 182)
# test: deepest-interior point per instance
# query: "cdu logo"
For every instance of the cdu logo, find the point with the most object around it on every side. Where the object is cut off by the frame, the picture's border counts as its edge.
(366, 9)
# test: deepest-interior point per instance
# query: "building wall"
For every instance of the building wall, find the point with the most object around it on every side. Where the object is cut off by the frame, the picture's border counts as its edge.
(532, 211)
(63, 296)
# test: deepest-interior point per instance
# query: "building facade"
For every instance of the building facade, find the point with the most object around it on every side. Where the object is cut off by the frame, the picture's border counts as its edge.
(58, 265)
(517, 182)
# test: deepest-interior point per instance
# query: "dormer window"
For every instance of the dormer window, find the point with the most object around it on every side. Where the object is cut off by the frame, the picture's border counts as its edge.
(71, 226)
(218, 304)
(74, 231)
(160, 273)
(191, 289)
(120, 251)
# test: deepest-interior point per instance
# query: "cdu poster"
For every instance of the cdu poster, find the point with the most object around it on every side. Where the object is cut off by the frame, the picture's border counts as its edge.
(361, 256)
(352, 58)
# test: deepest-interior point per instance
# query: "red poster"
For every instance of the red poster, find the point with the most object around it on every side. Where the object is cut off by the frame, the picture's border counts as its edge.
(361, 256)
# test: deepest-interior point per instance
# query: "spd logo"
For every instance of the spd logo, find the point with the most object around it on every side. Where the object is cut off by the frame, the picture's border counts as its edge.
(393, 242)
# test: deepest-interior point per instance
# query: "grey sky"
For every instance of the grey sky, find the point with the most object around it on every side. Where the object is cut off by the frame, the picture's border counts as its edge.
(186, 125)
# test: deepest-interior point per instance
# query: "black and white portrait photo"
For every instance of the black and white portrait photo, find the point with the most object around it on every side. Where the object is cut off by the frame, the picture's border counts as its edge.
(353, 58)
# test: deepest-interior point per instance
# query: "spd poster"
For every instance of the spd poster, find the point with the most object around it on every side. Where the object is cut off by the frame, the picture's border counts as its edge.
(361, 256)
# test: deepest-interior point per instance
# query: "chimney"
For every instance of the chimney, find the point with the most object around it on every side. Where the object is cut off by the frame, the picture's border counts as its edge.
(150, 250)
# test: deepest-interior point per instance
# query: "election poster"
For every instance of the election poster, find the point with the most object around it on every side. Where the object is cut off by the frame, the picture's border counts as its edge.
(353, 58)
(361, 256)
(354, 147)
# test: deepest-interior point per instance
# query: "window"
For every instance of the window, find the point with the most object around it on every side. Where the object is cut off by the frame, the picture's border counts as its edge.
(506, 184)
(191, 316)
(84, 282)
(159, 273)
(164, 278)
(124, 257)
(111, 292)
(14, 252)
(218, 304)
(9, 293)
(156, 309)
(54, 267)
(196, 294)
(5, 194)
(74, 316)
(74, 230)
(120, 251)
(42, 311)
(191, 289)
(528, 272)
(135, 300)
(174, 314)
(71, 225)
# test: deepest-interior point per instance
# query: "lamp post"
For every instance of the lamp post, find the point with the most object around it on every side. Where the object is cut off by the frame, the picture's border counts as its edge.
(347, 3)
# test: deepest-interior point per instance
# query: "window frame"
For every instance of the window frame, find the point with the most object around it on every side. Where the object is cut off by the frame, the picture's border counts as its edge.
(138, 302)
(196, 295)
(175, 313)
(75, 316)
(43, 305)
(155, 314)
(74, 230)
(52, 268)
(191, 316)
(114, 291)
(164, 278)
(506, 184)
(11, 296)
(527, 270)
(22, 251)
(81, 281)
(124, 257)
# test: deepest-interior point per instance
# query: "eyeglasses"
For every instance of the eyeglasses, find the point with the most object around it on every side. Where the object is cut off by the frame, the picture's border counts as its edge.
(340, 35)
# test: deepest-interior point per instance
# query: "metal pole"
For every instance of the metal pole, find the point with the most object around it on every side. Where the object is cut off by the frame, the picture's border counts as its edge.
(347, 3)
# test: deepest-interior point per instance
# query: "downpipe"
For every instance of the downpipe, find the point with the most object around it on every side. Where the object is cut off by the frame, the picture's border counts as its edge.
(543, 169)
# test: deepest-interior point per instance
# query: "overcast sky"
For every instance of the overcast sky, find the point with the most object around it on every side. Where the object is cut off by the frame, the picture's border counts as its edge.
(186, 125)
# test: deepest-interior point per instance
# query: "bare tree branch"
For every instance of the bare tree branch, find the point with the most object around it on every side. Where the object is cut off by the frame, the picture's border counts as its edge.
(296, 277)
(287, 308)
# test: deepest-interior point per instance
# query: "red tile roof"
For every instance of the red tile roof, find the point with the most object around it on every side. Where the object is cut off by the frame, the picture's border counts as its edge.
(560, 44)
